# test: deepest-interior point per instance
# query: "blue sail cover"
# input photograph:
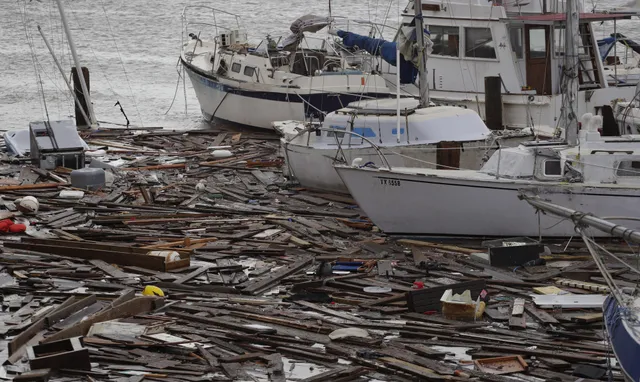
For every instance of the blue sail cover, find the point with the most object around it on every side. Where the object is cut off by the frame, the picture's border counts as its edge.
(606, 44)
(384, 49)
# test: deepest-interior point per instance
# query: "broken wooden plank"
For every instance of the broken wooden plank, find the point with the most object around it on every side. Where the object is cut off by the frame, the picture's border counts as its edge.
(272, 279)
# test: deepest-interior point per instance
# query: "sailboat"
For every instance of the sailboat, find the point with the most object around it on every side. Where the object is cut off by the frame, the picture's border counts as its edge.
(587, 170)
(57, 142)
(411, 132)
(296, 77)
(622, 307)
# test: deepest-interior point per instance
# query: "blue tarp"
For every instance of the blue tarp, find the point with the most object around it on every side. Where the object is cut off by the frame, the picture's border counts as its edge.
(606, 44)
(384, 49)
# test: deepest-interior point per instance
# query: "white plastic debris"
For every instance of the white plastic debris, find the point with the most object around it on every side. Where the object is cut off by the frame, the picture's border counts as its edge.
(169, 256)
(71, 194)
(28, 205)
(221, 153)
(348, 332)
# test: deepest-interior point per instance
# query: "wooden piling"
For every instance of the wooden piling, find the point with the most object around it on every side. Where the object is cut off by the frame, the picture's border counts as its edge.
(493, 102)
(80, 120)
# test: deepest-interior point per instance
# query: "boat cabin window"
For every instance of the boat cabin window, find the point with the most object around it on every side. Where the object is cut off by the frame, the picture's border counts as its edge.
(517, 42)
(552, 167)
(558, 41)
(445, 40)
(478, 43)
(236, 67)
(628, 168)
(537, 43)
(249, 71)
(334, 133)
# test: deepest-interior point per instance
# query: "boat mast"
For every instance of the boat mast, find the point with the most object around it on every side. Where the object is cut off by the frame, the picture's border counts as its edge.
(64, 77)
(571, 65)
(422, 54)
(83, 84)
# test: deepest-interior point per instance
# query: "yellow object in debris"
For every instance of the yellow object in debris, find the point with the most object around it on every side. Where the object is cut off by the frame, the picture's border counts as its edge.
(151, 290)
(549, 290)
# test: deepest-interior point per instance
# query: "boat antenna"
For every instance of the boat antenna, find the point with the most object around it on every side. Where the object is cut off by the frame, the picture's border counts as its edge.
(92, 118)
(571, 63)
(422, 54)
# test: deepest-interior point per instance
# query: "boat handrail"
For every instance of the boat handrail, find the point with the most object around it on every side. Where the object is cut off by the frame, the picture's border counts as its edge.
(214, 10)
(190, 23)
(310, 129)
(186, 23)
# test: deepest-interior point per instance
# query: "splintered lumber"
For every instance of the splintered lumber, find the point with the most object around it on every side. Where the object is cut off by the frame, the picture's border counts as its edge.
(443, 247)
(157, 167)
(30, 186)
(331, 312)
(20, 340)
(65, 312)
(409, 368)
(561, 354)
(132, 307)
(337, 375)
(109, 269)
(91, 251)
(540, 314)
(193, 274)
(272, 279)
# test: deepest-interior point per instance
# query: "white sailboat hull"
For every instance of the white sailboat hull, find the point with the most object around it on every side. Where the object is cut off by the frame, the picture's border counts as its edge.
(410, 204)
(216, 101)
(313, 167)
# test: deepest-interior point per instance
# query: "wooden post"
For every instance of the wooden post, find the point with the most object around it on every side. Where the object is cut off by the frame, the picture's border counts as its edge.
(493, 102)
(448, 155)
(80, 120)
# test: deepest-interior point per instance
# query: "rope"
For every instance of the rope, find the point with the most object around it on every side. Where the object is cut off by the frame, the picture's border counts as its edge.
(126, 76)
(33, 54)
(175, 93)
(631, 267)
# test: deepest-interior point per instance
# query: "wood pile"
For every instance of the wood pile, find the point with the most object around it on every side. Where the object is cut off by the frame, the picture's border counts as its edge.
(264, 281)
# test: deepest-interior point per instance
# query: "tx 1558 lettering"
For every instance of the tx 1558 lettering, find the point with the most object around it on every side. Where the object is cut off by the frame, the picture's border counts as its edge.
(389, 182)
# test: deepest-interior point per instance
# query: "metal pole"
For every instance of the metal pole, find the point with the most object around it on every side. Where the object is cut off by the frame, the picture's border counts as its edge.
(584, 218)
(72, 47)
(398, 91)
(615, 51)
(424, 85)
(55, 59)
(571, 64)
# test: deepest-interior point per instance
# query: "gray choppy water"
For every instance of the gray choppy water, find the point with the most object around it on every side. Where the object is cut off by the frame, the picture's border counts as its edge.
(142, 39)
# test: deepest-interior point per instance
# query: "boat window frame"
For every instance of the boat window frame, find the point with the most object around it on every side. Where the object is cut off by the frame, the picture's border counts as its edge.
(628, 173)
(253, 71)
(234, 65)
(558, 40)
(466, 45)
(444, 27)
(520, 55)
(552, 175)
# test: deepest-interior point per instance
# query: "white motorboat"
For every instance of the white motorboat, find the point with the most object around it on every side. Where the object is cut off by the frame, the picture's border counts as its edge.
(293, 78)
(522, 43)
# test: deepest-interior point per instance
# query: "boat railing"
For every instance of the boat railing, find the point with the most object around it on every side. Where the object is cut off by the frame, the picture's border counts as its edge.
(219, 16)
(312, 128)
